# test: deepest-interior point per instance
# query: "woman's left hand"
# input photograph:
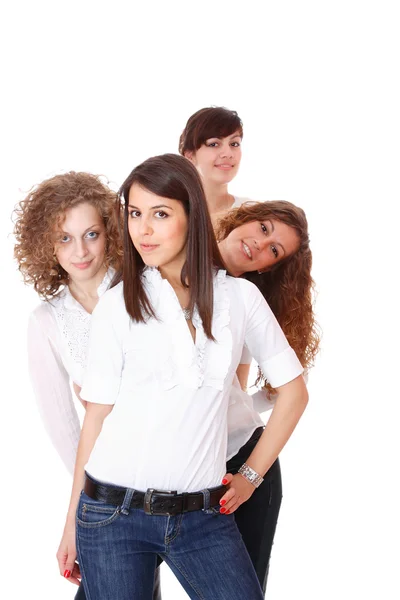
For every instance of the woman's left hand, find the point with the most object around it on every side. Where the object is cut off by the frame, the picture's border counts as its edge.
(239, 491)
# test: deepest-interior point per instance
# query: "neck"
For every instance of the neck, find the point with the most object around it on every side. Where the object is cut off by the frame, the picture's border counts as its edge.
(231, 269)
(172, 273)
(83, 290)
(217, 196)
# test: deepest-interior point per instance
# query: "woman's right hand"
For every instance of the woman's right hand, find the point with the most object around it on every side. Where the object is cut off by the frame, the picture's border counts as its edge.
(66, 555)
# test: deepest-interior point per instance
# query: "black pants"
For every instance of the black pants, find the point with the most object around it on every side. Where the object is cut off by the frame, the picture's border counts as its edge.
(256, 518)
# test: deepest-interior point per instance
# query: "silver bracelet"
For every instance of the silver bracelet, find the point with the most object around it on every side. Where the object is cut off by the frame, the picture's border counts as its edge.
(251, 475)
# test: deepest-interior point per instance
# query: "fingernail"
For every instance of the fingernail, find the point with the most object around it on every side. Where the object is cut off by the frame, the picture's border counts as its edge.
(67, 573)
(222, 510)
(222, 502)
(228, 512)
(224, 481)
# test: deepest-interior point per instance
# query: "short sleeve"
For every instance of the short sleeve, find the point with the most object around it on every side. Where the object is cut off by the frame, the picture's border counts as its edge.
(102, 378)
(51, 386)
(266, 341)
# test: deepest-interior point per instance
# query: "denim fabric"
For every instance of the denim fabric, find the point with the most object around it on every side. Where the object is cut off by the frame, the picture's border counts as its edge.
(80, 595)
(257, 518)
(118, 553)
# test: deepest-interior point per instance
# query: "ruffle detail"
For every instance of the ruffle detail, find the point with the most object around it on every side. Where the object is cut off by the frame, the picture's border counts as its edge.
(177, 359)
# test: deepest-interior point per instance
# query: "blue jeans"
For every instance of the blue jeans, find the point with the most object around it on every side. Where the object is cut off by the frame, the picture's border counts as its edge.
(118, 548)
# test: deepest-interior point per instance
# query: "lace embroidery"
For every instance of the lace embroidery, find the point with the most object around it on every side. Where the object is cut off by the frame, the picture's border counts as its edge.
(74, 322)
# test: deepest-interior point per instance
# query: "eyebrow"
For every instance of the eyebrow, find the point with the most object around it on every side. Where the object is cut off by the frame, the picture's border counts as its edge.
(86, 230)
(231, 137)
(272, 231)
(152, 207)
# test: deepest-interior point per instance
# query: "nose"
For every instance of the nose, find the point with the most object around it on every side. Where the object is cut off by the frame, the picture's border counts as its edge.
(80, 249)
(261, 243)
(145, 227)
(226, 151)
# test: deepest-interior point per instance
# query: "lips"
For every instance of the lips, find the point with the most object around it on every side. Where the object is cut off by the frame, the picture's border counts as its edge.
(83, 265)
(225, 167)
(148, 247)
(246, 250)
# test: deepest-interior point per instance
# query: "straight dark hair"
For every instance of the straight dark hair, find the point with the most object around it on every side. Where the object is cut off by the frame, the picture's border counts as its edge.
(174, 177)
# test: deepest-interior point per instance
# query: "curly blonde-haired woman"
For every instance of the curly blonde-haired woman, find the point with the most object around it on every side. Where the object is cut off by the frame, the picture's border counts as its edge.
(68, 247)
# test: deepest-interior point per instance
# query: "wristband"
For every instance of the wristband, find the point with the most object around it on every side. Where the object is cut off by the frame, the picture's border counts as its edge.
(252, 476)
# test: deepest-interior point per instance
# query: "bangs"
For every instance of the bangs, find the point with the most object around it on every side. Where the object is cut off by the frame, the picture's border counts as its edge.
(219, 124)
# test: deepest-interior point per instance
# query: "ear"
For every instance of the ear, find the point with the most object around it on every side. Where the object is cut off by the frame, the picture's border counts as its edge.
(190, 155)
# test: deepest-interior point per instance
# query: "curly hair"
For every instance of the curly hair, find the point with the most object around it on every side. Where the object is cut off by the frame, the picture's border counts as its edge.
(288, 286)
(43, 210)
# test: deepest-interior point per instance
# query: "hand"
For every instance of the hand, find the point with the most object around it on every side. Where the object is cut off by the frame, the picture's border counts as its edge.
(66, 556)
(239, 490)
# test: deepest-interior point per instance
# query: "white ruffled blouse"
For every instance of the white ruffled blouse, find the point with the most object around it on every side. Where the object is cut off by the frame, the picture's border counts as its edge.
(168, 427)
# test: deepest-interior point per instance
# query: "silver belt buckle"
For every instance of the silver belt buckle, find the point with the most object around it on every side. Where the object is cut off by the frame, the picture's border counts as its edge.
(148, 509)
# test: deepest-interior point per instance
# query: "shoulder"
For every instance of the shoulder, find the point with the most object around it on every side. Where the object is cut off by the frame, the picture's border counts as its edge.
(43, 313)
(240, 200)
(42, 321)
(111, 302)
(245, 288)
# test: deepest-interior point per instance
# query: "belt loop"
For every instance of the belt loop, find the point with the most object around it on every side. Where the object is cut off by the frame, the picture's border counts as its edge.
(206, 500)
(127, 501)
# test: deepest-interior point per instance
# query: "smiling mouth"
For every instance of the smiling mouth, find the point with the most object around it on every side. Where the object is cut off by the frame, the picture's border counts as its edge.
(148, 247)
(225, 167)
(83, 265)
(246, 250)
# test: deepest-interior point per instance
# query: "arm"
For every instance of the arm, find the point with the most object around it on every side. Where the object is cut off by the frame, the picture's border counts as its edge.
(92, 425)
(280, 366)
(100, 389)
(52, 391)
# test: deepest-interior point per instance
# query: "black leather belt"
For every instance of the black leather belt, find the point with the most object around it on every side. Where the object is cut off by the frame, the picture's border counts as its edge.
(153, 502)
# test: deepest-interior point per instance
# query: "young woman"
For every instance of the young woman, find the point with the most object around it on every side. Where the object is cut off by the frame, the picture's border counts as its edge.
(268, 244)
(68, 247)
(164, 349)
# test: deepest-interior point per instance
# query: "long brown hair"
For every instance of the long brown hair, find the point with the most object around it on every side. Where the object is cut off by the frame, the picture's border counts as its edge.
(288, 286)
(174, 177)
(206, 123)
(43, 210)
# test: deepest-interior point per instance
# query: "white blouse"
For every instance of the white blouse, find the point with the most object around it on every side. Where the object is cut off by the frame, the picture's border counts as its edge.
(58, 335)
(168, 427)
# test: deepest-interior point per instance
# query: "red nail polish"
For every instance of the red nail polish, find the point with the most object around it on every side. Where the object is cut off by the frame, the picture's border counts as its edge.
(222, 502)
(67, 573)
(224, 481)
(222, 510)
(228, 512)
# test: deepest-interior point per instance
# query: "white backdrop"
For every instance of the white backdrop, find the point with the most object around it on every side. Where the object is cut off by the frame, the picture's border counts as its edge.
(101, 86)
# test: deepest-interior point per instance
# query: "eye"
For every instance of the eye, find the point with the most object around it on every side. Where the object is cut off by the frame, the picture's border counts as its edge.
(92, 235)
(64, 239)
(275, 251)
(235, 144)
(264, 228)
(161, 214)
(212, 144)
(134, 214)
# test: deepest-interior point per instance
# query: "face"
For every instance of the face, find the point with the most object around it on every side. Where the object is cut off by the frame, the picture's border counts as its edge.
(158, 228)
(81, 242)
(258, 246)
(218, 159)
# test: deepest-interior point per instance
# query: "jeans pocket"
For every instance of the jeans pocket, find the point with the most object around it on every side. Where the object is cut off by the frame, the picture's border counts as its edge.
(92, 513)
